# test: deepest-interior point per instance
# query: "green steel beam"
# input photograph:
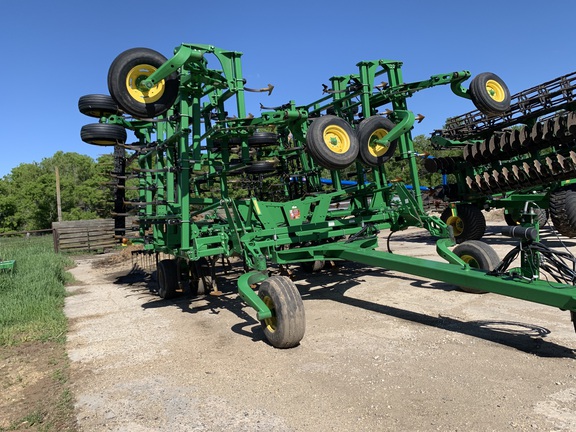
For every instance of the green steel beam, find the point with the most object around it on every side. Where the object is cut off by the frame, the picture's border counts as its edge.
(247, 293)
(537, 291)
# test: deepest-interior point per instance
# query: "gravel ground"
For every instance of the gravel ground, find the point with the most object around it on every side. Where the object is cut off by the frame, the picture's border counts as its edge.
(383, 351)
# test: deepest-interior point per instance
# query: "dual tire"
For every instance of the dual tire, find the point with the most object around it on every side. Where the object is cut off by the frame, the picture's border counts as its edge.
(332, 142)
(100, 134)
(334, 145)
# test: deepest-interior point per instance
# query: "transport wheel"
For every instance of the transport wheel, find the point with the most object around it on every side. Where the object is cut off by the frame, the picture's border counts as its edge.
(513, 218)
(563, 210)
(285, 329)
(490, 94)
(103, 134)
(126, 73)
(332, 142)
(201, 277)
(477, 254)
(263, 139)
(260, 167)
(312, 266)
(167, 278)
(469, 224)
(96, 105)
(370, 130)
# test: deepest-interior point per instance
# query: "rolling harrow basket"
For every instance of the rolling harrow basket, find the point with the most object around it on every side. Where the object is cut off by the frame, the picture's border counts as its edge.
(313, 180)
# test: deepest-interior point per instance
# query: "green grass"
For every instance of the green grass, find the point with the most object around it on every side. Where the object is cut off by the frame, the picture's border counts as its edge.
(33, 331)
(32, 295)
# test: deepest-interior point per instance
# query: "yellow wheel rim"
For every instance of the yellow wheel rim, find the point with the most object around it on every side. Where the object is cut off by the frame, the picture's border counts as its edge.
(374, 148)
(270, 323)
(138, 74)
(336, 139)
(495, 90)
(470, 260)
(457, 225)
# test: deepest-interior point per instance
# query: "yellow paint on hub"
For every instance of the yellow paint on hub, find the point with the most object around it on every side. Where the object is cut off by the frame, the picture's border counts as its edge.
(271, 323)
(495, 90)
(375, 148)
(138, 74)
(470, 261)
(457, 225)
(336, 139)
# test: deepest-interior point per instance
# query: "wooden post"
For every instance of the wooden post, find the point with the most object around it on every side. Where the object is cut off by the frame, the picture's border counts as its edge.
(58, 201)
(56, 238)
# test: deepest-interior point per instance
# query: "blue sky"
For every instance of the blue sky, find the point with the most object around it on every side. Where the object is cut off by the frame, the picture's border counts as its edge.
(56, 51)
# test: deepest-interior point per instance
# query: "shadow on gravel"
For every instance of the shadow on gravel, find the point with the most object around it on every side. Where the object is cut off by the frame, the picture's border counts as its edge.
(332, 284)
(135, 277)
(141, 282)
(521, 336)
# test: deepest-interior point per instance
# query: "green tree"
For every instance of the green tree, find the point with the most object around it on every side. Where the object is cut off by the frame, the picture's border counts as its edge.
(26, 185)
(423, 148)
(28, 193)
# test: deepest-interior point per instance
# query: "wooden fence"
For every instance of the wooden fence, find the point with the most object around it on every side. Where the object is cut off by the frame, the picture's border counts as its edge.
(88, 235)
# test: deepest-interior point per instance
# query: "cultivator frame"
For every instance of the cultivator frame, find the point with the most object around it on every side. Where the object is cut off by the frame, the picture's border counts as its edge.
(316, 172)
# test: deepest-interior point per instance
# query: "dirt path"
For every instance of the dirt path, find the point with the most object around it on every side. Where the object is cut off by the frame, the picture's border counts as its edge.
(383, 351)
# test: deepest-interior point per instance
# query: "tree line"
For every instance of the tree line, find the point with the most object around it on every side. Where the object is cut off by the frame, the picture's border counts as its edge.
(28, 194)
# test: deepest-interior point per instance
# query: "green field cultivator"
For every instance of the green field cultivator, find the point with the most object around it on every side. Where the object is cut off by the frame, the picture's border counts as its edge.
(525, 155)
(299, 184)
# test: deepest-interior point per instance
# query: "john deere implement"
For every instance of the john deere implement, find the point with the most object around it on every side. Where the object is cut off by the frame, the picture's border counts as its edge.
(524, 154)
(299, 183)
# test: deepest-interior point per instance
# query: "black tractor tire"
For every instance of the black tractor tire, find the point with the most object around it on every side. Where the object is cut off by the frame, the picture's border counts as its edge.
(288, 323)
(369, 130)
(563, 210)
(263, 139)
(490, 94)
(469, 224)
(103, 134)
(477, 254)
(260, 167)
(97, 105)
(124, 75)
(167, 278)
(332, 142)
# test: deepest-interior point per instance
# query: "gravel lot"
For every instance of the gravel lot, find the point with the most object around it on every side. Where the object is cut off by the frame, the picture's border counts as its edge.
(383, 351)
